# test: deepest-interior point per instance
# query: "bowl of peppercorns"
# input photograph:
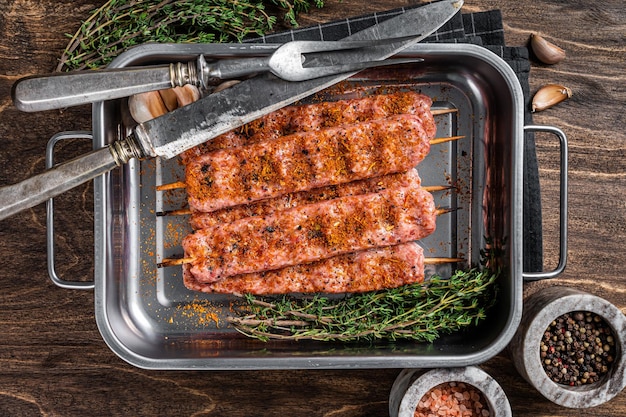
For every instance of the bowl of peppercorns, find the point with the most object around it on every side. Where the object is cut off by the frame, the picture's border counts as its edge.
(466, 392)
(570, 346)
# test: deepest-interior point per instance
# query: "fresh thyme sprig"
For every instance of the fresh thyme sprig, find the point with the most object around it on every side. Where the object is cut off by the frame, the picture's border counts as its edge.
(120, 24)
(421, 312)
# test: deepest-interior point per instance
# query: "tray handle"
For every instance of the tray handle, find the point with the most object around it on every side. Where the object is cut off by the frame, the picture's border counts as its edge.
(535, 276)
(54, 277)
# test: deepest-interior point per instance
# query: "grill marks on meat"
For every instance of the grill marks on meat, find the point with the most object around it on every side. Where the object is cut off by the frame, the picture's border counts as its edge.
(317, 116)
(369, 270)
(303, 161)
(310, 233)
(202, 220)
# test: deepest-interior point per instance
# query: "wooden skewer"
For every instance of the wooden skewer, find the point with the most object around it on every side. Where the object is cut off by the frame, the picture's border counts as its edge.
(174, 262)
(438, 261)
(181, 261)
(433, 188)
(437, 141)
(443, 111)
(180, 184)
(179, 212)
(445, 210)
(171, 186)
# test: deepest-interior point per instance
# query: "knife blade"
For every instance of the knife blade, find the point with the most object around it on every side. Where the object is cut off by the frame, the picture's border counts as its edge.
(186, 127)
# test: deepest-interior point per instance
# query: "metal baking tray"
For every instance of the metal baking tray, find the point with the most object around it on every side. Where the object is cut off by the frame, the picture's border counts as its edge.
(147, 316)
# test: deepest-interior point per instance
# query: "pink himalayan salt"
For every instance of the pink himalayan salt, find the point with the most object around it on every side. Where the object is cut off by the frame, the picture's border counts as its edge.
(452, 399)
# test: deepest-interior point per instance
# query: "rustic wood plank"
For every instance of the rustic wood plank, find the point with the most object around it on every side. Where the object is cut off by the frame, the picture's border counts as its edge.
(53, 360)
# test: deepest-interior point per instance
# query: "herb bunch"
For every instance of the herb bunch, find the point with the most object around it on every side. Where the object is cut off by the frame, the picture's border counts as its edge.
(421, 312)
(121, 24)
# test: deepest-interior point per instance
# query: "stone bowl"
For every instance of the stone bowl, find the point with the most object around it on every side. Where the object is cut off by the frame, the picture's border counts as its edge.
(412, 384)
(540, 309)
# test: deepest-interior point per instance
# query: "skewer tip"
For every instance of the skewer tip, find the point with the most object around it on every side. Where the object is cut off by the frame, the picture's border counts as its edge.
(171, 186)
(437, 112)
(437, 141)
(174, 262)
(178, 212)
(433, 188)
(437, 261)
(445, 210)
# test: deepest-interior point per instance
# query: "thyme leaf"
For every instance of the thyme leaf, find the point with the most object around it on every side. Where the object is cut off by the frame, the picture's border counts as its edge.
(120, 24)
(421, 312)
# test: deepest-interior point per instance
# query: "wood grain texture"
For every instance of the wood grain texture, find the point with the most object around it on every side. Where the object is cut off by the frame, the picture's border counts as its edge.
(53, 361)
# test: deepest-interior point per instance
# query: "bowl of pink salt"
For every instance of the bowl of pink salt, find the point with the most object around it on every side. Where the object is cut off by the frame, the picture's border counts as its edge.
(462, 392)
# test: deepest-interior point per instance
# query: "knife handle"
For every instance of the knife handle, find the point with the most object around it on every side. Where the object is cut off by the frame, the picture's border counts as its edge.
(74, 88)
(32, 191)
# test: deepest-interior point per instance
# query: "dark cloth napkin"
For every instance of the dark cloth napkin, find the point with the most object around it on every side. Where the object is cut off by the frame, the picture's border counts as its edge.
(482, 28)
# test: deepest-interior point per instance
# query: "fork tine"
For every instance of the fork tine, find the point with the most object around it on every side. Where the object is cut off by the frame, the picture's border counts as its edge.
(304, 60)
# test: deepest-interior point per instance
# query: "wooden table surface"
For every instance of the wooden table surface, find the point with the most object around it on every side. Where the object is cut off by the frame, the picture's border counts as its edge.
(53, 361)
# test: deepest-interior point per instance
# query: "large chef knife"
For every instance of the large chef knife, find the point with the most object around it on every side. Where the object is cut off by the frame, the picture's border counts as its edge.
(188, 126)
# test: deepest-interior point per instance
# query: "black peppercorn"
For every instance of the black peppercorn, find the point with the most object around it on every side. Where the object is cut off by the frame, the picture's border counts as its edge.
(577, 348)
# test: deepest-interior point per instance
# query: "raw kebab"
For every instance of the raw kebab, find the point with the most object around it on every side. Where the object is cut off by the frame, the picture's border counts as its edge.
(304, 161)
(310, 233)
(203, 220)
(316, 116)
(346, 235)
(369, 270)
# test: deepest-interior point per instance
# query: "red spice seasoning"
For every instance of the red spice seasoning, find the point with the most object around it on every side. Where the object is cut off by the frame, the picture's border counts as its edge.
(453, 399)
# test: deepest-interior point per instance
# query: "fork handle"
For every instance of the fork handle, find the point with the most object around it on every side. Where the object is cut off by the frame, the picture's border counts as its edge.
(75, 88)
(59, 91)
(225, 69)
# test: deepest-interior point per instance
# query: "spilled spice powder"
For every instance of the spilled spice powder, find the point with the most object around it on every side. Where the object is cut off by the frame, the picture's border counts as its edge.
(453, 399)
(202, 312)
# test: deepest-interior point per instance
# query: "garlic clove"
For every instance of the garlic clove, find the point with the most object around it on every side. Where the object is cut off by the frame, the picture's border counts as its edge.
(549, 96)
(146, 106)
(186, 94)
(546, 52)
(170, 99)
